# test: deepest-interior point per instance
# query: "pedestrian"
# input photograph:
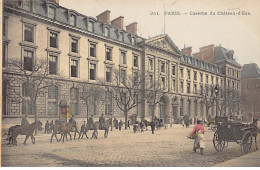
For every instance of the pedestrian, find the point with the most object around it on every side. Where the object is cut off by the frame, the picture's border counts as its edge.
(91, 122)
(198, 135)
(102, 122)
(128, 123)
(25, 122)
(83, 130)
(120, 124)
(195, 120)
(153, 126)
(116, 124)
(182, 122)
(47, 127)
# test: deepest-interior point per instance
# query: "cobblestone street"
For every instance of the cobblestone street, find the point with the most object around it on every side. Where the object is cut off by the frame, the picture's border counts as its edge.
(168, 147)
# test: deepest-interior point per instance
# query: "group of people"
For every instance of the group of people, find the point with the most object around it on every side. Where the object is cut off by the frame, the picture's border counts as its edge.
(197, 133)
(48, 126)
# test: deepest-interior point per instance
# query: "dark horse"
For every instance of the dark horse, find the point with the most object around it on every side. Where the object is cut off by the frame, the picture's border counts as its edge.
(96, 127)
(26, 130)
(10, 132)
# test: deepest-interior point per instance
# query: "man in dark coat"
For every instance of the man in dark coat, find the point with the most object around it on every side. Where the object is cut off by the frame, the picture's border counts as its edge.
(153, 126)
(83, 129)
(120, 125)
(102, 122)
(128, 124)
(25, 122)
(72, 120)
(47, 127)
(91, 122)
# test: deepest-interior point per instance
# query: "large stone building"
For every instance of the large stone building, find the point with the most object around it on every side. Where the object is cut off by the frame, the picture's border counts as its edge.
(83, 49)
(250, 90)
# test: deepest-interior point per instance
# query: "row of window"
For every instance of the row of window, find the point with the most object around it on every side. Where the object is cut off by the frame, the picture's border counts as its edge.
(257, 85)
(72, 20)
(52, 104)
(233, 84)
(201, 77)
(233, 73)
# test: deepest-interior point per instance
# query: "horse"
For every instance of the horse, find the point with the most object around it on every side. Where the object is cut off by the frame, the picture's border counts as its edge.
(96, 127)
(63, 129)
(26, 130)
(10, 132)
(66, 129)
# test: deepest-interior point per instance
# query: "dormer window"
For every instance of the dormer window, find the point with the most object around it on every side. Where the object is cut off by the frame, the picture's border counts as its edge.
(72, 20)
(133, 41)
(120, 36)
(91, 26)
(51, 12)
(106, 32)
(26, 4)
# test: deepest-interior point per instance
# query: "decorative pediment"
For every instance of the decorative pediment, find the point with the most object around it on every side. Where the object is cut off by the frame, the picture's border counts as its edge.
(164, 42)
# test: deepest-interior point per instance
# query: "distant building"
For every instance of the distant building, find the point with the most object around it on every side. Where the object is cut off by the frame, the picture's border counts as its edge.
(85, 49)
(250, 90)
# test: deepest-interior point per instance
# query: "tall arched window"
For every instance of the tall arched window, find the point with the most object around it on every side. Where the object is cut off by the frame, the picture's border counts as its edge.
(53, 100)
(74, 101)
(27, 91)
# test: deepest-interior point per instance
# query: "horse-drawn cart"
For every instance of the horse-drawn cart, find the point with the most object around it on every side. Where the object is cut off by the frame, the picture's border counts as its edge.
(232, 132)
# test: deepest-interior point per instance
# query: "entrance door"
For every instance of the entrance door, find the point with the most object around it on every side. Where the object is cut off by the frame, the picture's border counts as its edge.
(162, 110)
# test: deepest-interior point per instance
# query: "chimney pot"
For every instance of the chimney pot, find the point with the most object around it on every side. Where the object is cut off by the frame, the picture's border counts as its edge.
(187, 51)
(118, 22)
(132, 28)
(104, 17)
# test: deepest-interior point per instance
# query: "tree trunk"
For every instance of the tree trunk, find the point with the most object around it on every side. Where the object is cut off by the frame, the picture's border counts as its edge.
(153, 112)
(126, 119)
(34, 112)
(87, 111)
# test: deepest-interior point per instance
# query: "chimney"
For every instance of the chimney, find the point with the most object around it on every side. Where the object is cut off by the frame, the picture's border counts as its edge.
(118, 22)
(187, 50)
(55, 1)
(104, 17)
(132, 28)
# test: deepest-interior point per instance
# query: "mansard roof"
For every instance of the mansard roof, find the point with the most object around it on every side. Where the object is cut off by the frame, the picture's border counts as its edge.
(222, 53)
(191, 60)
(62, 16)
(250, 71)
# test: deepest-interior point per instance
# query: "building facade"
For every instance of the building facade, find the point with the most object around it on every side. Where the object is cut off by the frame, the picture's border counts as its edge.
(250, 90)
(80, 50)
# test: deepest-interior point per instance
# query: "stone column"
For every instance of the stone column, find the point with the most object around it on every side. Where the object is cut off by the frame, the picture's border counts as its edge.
(192, 111)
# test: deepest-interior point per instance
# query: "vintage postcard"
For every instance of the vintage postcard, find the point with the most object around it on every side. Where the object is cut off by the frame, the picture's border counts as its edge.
(130, 83)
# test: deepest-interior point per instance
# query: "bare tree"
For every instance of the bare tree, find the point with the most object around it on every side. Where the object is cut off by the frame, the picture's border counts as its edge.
(125, 90)
(91, 93)
(34, 77)
(154, 91)
(207, 96)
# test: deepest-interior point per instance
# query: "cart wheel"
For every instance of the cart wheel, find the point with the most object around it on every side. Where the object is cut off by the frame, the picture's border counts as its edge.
(218, 143)
(246, 143)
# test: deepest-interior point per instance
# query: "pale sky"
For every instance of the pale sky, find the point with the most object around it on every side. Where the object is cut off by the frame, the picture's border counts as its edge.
(238, 33)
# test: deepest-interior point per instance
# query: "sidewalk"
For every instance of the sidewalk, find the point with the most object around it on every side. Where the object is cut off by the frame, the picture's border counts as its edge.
(249, 160)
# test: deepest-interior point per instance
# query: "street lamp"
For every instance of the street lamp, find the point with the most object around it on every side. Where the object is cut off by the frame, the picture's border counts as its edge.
(216, 89)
